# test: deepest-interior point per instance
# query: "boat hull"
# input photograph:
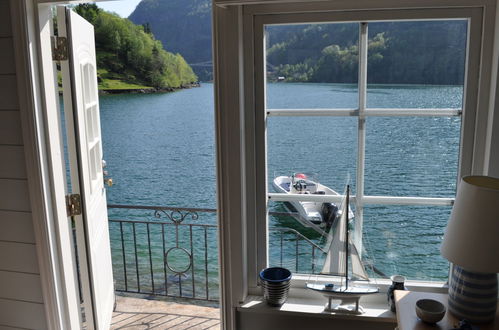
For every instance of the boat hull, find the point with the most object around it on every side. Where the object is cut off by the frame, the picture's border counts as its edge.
(340, 292)
(349, 297)
(310, 212)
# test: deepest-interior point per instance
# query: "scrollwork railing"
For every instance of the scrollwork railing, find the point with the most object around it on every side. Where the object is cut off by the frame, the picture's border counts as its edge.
(164, 251)
(176, 216)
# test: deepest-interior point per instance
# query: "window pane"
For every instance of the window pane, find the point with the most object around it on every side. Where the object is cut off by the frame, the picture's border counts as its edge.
(311, 96)
(414, 96)
(324, 150)
(409, 66)
(406, 240)
(291, 244)
(405, 58)
(325, 146)
(312, 66)
(412, 156)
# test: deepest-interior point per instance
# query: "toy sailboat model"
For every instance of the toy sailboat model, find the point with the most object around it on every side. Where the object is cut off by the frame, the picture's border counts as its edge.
(342, 253)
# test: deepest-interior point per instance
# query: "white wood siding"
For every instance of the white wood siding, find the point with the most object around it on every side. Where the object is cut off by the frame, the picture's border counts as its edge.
(10, 125)
(5, 24)
(21, 300)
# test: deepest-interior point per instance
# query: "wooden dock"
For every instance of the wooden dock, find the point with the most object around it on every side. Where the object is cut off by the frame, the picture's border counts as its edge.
(135, 313)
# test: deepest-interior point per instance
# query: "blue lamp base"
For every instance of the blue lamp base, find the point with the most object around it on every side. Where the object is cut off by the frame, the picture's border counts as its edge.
(472, 296)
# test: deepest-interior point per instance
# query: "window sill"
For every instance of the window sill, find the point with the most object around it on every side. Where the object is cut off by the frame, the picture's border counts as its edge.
(302, 301)
(375, 309)
(299, 282)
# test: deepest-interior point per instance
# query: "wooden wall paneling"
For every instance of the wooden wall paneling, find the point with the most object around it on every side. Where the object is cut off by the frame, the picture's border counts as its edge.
(5, 22)
(18, 257)
(21, 298)
(20, 286)
(7, 63)
(14, 195)
(8, 91)
(16, 227)
(13, 164)
(10, 127)
(22, 314)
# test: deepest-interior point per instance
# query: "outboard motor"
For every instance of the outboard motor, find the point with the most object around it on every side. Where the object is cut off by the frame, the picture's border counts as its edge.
(329, 212)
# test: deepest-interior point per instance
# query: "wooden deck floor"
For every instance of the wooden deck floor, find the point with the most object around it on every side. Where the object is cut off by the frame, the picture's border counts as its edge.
(136, 313)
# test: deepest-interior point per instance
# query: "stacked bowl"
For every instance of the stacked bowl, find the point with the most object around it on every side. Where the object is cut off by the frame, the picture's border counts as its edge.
(275, 282)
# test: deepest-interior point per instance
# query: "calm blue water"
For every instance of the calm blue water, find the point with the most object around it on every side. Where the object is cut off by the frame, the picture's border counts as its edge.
(160, 151)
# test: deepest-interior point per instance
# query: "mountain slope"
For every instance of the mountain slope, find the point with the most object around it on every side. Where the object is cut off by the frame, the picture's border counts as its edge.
(410, 52)
(129, 57)
(183, 26)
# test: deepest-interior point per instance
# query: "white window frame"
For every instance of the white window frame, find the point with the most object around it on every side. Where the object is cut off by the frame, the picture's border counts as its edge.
(239, 196)
(254, 20)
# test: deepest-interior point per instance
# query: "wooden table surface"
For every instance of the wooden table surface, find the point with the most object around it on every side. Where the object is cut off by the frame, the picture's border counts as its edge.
(405, 302)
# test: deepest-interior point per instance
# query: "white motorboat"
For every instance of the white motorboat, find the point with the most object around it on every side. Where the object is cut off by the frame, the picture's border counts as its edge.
(311, 213)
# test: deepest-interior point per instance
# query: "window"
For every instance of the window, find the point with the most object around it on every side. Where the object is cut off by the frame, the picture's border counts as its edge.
(395, 131)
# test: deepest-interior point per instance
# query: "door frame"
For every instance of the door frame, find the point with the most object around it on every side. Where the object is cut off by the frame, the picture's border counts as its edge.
(46, 169)
(45, 163)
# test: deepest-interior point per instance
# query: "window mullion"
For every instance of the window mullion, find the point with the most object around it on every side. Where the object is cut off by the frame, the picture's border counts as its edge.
(361, 140)
(368, 112)
(312, 112)
(366, 199)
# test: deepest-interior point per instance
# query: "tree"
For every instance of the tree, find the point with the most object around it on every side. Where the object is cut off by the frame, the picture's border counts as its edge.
(130, 50)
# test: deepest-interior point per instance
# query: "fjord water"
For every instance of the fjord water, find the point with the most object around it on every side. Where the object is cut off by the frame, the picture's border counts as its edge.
(160, 150)
(405, 156)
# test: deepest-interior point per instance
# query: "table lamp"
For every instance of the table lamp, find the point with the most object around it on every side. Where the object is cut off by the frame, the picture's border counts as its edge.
(471, 243)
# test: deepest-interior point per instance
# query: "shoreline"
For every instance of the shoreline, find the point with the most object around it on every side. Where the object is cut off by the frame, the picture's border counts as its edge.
(150, 90)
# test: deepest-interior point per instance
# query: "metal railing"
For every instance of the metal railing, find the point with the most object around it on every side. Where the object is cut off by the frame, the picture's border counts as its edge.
(179, 257)
(300, 248)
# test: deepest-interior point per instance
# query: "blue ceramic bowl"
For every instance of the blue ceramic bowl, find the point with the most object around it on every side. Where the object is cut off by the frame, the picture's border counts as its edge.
(275, 275)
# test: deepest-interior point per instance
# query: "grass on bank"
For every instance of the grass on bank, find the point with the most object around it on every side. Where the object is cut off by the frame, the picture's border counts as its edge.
(109, 81)
(114, 81)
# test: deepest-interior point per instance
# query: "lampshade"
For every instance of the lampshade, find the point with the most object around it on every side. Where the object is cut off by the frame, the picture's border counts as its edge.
(471, 239)
(471, 243)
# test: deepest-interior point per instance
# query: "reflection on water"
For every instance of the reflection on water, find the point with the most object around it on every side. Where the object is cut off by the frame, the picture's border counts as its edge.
(160, 150)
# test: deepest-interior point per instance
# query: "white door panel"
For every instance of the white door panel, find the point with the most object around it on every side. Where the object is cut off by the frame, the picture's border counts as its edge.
(81, 106)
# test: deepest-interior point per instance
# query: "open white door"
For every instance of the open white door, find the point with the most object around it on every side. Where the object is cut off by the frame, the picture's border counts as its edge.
(81, 104)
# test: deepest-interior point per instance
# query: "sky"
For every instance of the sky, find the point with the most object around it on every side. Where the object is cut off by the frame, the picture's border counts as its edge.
(122, 7)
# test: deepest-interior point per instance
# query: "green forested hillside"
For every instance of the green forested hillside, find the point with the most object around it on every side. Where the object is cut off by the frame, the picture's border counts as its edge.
(129, 57)
(184, 26)
(429, 52)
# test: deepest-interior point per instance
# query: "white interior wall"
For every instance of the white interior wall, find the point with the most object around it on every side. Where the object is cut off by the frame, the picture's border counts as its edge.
(493, 157)
(21, 301)
(295, 321)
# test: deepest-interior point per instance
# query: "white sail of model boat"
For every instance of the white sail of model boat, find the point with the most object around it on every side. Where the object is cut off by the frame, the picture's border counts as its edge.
(336, 262)
(342, 253)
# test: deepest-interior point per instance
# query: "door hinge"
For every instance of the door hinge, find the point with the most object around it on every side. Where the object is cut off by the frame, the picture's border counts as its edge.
(59, 48)
(73, 204)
